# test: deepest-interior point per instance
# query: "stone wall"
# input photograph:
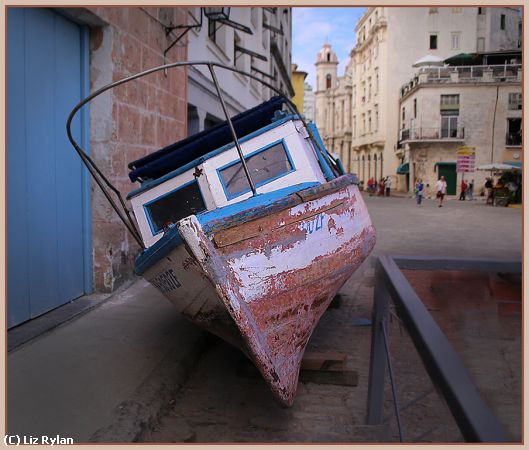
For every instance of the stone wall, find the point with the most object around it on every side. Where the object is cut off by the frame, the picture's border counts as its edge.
(131, 120)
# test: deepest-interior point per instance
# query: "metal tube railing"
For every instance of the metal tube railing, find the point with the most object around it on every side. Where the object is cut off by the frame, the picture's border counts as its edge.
(104, 183)
(475, 420)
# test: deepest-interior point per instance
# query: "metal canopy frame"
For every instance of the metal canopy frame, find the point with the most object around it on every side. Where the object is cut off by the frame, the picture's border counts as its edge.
(112, 193)
(475, 420)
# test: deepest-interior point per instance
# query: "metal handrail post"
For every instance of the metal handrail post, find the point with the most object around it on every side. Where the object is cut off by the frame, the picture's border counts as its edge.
(235, 140)
(378, 361)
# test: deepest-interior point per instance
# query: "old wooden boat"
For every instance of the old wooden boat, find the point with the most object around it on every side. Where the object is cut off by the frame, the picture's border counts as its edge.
(250, 228)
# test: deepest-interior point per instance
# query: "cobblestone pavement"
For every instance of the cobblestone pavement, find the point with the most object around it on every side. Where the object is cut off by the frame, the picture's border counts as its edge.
(221, 403)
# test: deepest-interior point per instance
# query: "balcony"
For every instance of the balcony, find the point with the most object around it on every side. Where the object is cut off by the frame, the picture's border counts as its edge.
(434, 134)
(464, 74)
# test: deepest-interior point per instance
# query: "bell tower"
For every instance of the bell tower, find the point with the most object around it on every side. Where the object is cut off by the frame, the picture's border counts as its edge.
(326, 74)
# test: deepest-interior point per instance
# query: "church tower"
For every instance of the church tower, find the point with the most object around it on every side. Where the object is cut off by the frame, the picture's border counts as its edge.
(326, 74)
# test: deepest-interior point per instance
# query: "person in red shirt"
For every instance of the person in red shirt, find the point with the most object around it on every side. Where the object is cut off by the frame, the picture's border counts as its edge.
(464, 187)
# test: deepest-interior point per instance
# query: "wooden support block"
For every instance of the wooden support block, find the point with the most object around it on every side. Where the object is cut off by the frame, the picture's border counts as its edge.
(341, 378)
(330, 361)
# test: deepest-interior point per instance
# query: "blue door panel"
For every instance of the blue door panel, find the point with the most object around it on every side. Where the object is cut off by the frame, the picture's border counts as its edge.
(69, 201)
(17, 247)
(46, 186)
(40, 124)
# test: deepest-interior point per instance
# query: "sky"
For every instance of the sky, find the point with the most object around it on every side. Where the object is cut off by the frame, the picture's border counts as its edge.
(311, 27)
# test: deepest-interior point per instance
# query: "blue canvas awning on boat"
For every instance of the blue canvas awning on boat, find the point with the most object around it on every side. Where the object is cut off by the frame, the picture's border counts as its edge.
(182, 152)
(403, 169)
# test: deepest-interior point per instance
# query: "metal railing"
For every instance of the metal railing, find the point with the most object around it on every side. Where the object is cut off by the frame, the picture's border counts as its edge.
(432, 133)
(473, 417)
(114, 196)
(464, 74)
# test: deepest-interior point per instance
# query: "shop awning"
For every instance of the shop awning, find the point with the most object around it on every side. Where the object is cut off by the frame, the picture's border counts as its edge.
(403, 169)
(514, 163)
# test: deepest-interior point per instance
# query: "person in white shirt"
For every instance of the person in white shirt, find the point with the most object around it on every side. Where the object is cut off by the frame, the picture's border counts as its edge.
(388, 186)
(441, 190)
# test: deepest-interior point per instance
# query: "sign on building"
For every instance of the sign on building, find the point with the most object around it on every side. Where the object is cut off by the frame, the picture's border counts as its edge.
(466, 158)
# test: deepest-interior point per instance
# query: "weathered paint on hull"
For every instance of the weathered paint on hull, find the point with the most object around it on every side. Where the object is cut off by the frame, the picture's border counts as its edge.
(263, 284)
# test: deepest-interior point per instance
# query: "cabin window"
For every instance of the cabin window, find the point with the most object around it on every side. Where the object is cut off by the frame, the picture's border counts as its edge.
(170, 208)
(264, 165)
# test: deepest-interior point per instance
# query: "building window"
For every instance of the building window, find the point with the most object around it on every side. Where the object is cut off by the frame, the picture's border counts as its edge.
(376, 118)
(254, 17)
(455, 41)
(481, 44)
(481, 11)
(449, 126)
(403, 116)
(502, 21)
(515, 100)
(433, 41)
(328, 80)
(212, 30)
(514, 131)
(434, 10)
(354, 126)
(415, 108)
(450, 103)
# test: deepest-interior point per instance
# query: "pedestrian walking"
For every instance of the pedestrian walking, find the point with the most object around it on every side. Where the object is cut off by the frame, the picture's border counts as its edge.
(382, 187)
(488, 190)
(464, 187)
(441, 190)
(388, 186)
(419, 190)
(470, 190)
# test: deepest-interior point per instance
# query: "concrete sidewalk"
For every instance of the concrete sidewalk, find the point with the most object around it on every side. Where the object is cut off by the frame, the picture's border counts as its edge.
(105, 375)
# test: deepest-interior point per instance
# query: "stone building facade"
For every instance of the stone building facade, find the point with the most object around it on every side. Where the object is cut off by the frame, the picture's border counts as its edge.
(389, 40)
(266, 53)
(133, 120)
(309, 102)
(468, 106)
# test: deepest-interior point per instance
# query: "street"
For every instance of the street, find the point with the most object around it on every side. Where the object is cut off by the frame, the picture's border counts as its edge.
(223, 401)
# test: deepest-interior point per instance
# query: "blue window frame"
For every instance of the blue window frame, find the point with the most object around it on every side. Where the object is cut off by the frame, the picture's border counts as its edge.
(265, 165)
(173, 206)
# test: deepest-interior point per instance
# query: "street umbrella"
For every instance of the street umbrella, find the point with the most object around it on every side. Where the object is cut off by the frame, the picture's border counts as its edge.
(497, 167)
(428, 61)
(463, 59)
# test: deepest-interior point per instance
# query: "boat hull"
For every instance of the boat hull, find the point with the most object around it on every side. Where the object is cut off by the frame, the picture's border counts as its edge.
(262, 283)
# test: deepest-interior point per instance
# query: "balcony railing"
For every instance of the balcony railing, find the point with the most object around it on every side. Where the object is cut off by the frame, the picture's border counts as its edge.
(431, 134)
(514, 138)
(464, 74)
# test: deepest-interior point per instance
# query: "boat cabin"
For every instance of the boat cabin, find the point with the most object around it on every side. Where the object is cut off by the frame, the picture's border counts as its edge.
(204, 173)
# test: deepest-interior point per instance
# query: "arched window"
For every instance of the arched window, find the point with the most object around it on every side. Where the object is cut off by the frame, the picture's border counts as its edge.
(375, 158)
(328, 57)
(368, 166)
(328, 80)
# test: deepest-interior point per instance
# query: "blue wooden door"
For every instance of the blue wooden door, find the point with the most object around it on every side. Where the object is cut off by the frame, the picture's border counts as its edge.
(48, 211)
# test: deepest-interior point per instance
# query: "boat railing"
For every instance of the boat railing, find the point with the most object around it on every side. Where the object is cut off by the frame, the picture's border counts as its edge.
(476, 422)
(108, 188)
